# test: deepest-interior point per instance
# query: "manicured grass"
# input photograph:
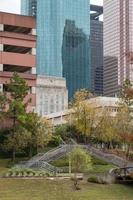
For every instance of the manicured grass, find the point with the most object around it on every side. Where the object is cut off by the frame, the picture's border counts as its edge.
(96, 169)
(98, 166)
(3, 166)
(61, 190)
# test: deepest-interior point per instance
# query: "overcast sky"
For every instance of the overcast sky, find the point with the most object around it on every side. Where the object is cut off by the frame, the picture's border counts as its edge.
(13, 6)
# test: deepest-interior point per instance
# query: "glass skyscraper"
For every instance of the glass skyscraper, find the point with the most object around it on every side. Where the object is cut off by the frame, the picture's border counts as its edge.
(96, 46)
(63, 31)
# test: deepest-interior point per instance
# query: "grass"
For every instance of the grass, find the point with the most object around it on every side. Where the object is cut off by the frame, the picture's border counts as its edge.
(98, 166)
(61, 190)
(4, 166)
(35, 189)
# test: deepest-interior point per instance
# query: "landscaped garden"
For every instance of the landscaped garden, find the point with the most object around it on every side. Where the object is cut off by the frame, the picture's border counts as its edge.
(68, 171)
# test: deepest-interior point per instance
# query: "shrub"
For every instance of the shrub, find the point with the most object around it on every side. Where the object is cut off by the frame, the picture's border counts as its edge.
(63, 162)
(25, 172)
(97, 161)
(93, 179)
(103, 179)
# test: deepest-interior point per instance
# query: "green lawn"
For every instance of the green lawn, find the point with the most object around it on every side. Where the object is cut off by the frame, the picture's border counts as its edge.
(35, 189)
(98, 166)
(61, 190)
(3, 166)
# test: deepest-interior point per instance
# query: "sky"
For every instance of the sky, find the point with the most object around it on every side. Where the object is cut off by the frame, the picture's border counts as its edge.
(14, 7)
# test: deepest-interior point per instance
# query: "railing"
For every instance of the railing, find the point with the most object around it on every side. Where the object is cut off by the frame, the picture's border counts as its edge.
(110, 158)
(55, 154)
(50, 155)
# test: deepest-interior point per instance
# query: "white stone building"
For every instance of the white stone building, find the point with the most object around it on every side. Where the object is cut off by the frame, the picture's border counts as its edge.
(51, 95)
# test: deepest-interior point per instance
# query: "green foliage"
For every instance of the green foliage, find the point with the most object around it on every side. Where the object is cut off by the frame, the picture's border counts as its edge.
(84, 116)
(18, 90)
(100, 169)
(62, 131)
(3, 101)
(126, 93)
(107, 128)
(55, 141)
(3, 104)
(66, 131)
(25, 172)
(93, 179)
(18, 87)
(29, 130)
(96, 179)
(80, 96)
(17, 140)
(80, 160)
(62, 162)
(40, 130)
(97, 161)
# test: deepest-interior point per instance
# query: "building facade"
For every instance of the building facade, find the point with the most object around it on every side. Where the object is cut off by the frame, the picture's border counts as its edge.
(52, 95)
(29, 7)
(96, 49)
(118, 44)
(63, 29)
(101, 103)
(18, 52)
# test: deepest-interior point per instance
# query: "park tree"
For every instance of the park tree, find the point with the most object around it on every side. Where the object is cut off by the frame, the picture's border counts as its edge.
(106, 132)
(3, 104)
(124, 127)
(84, 115)
(18, 89)
(125, 118)
(17, 141)
(126, 93)
(80, 96)
(40, 129)
(67, 132)
(80, 161)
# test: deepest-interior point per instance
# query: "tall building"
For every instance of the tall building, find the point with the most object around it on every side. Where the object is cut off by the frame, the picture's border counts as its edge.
(118, 44)
(29, 7)
(96, 46)
(63, 30)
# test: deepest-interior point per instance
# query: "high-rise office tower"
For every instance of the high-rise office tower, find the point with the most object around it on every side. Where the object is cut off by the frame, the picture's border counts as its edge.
(63, 31)
(29, 7)
(96, 46)
(118, 44)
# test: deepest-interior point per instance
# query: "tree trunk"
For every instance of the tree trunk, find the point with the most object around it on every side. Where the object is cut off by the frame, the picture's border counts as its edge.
(30, 151)
(128, 150)
(13, 155)
(76, 185)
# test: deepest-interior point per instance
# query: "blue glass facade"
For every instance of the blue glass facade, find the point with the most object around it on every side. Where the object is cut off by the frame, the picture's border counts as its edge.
(29, 7)
(63, 31)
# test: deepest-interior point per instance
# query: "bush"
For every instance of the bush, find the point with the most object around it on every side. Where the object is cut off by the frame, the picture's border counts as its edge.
(103, 179)
(55, 141)
(96, 161)
(63, 162)
(93, 179)
(25, 172)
